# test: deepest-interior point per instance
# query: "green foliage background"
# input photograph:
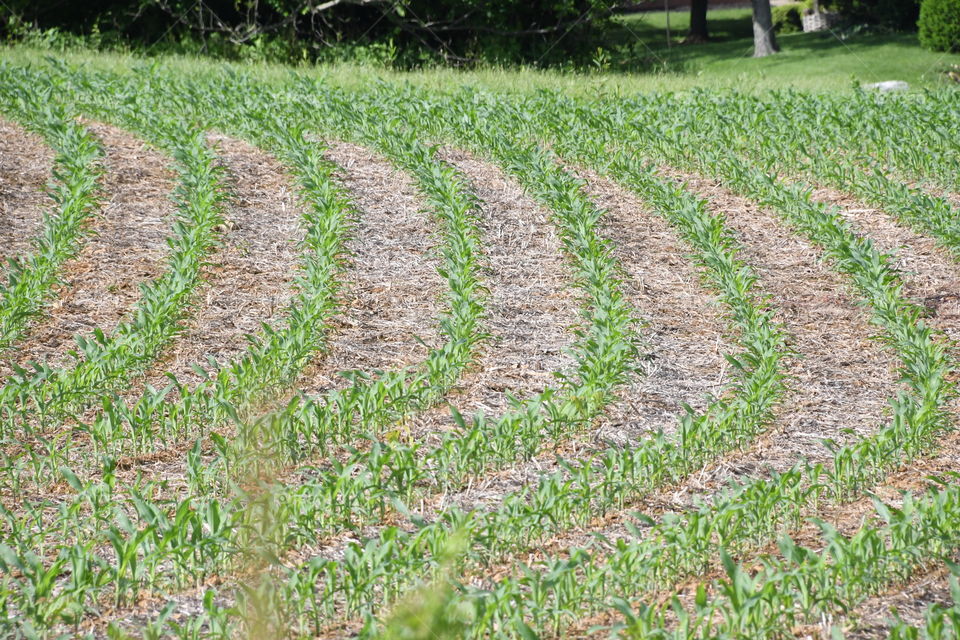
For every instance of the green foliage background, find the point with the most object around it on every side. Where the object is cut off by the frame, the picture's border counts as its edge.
(404, 32)
(940, 25)
(900, 15)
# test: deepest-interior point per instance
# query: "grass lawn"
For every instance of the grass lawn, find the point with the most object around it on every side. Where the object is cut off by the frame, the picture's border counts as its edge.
(812, 61)
(816, 61)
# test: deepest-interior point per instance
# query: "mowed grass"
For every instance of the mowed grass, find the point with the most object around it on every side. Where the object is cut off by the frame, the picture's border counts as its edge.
(637, 58)
(828, 60)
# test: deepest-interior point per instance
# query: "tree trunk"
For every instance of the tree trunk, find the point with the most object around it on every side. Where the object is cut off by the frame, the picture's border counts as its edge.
(698, 22)
(764, 41)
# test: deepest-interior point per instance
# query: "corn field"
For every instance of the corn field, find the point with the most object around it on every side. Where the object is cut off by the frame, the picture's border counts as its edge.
(282, 359)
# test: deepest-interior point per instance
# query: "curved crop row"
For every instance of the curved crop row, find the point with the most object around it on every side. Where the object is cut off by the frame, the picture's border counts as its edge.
(318, 516)
(916, 423)
(926, 362)
(804, 584)
(451, 444)
(570, 493)
(154, 539)
(763, 135)
(40, 395)
(77, 170)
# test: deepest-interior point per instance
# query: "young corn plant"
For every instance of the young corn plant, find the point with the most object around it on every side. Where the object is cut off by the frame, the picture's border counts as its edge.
(75, 190)
(39, 396)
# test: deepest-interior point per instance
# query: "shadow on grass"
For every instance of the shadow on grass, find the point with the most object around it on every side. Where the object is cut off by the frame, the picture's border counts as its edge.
(722, 29)
(647, 51)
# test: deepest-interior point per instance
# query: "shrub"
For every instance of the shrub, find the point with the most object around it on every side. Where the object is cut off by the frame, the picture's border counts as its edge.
(940, 25)
(900, 15)
(787, 17)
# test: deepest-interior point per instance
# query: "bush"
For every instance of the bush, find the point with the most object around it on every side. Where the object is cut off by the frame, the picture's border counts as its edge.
(787, 17)
(900, 15)
(940, 25)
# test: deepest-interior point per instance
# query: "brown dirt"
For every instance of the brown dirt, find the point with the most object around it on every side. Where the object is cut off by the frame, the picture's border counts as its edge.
(936, 188)
(249, 277)
(869, 619)
(392, 293)
(26, 166)
(127, 247)
(530, 307)
(913, 478)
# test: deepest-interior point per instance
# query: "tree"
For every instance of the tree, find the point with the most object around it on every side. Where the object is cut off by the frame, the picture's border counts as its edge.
(764, 41)
(457, 31)
(698, 23)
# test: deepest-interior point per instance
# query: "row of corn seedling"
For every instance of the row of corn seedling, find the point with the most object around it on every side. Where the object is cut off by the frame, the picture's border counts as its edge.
(29, 279)
(906, 436)
(762, 134)
(154, 540)
(38, 395)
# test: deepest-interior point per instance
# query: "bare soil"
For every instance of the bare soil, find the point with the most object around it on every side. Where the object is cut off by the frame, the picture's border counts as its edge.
(871, 620)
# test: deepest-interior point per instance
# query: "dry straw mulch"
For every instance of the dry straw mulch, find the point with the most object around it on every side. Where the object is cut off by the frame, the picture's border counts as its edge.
(530, 308)
(249, 277)
(842, 376)
(26, 166)
(871, 619)
(392, 292)
(931, 276)
(126, 247)
(684, 335)
(682, 344)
